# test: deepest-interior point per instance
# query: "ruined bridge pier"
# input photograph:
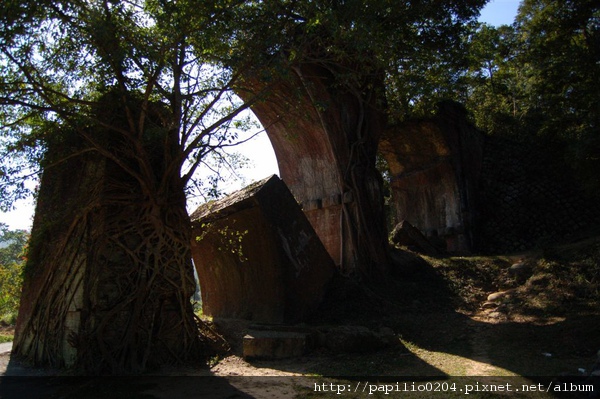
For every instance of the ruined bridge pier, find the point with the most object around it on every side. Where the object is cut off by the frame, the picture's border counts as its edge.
(325, 141)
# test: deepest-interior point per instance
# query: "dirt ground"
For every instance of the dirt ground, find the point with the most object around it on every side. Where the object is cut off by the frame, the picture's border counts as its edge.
(446, 327)
(431, 347)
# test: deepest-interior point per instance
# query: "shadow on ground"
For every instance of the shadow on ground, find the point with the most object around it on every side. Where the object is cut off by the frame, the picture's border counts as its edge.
(441, 336)
(441, 339)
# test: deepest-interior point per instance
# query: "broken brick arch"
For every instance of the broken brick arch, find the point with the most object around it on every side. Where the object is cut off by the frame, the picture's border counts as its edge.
(325, 140)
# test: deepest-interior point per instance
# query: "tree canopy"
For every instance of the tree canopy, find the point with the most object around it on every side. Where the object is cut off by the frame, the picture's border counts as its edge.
(59, 59)
(536, 79)
(119, 103)
(360, 41)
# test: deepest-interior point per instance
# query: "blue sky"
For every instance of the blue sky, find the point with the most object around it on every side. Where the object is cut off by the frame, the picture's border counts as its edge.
(259, 150)
(499, 12)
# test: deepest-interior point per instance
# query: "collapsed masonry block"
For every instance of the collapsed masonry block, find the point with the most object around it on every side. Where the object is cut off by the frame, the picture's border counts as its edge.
(257, 256)
(274, 344)
(407, 235)
(280, 342)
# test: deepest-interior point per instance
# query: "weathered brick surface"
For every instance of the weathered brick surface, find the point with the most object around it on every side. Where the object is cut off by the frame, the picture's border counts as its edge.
(481, 193)
(258, 257)
(434, 166)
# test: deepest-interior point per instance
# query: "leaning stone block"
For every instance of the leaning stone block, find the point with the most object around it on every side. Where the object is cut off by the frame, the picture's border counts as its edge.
(258, 257)
(407, 235)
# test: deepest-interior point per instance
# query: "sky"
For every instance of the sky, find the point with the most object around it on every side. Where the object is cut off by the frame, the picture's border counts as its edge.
(499, 12)
(259, 150)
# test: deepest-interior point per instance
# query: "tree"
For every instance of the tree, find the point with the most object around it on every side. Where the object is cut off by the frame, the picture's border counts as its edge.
(494, 79)
(125, 99)
(538, 79)
(561, 58)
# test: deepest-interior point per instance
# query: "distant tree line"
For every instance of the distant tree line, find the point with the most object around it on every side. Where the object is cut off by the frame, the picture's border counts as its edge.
(13, 246)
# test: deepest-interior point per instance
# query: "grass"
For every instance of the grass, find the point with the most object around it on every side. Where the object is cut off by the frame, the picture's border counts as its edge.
(559, 279)
(6, 337)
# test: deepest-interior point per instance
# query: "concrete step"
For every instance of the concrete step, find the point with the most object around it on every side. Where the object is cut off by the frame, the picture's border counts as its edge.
(263, 344)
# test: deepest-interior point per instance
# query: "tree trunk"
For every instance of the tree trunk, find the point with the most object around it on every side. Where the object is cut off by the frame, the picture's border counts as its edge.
(109, 277)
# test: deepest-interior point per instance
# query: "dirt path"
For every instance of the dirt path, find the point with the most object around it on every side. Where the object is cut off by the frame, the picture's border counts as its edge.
(442, 345)
(5, 347)
(479, 363)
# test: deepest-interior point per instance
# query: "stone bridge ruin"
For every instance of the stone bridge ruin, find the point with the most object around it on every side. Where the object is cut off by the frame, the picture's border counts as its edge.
(434, 167)
(326, 140)
(114, 278)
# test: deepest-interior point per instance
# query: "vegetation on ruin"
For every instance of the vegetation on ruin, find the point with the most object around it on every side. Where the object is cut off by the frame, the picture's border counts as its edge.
(120, 104)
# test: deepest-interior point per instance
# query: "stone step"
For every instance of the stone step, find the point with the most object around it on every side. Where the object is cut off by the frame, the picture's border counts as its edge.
(268, 344)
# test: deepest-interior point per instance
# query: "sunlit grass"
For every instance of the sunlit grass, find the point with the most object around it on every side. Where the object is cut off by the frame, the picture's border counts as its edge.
(4, 337)
(456, 365)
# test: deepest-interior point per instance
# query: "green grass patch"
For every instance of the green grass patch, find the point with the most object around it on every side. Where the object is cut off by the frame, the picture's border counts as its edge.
(4, 337)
